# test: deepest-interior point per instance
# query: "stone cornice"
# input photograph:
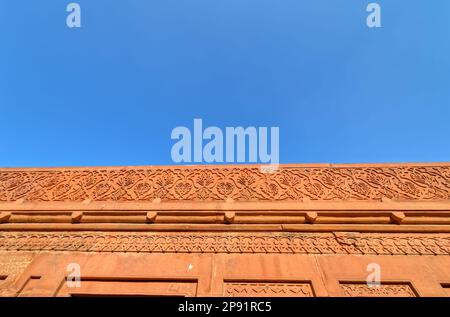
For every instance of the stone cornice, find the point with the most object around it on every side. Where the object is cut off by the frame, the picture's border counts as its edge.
(226, 220)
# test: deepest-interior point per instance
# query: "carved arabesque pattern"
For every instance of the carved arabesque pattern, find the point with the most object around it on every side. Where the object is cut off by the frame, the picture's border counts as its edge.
(268, 289)
(220, 183)
(293, 243)
(383, 290)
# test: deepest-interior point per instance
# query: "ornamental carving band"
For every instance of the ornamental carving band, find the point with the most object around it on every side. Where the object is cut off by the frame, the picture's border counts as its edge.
(268, 290)
(221, 183)
(383, 290)
(288, 243)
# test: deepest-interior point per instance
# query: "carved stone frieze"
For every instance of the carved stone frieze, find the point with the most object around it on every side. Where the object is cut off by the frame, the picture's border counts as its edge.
(197, 242)
(267, 289)
(221, 183)
(383, 290)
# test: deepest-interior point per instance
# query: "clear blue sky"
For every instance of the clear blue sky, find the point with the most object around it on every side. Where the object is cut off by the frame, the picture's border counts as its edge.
(111, 92)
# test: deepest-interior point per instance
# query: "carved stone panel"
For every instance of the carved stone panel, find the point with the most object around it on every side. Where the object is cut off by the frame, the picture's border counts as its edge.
(384, 290)
(267, 289)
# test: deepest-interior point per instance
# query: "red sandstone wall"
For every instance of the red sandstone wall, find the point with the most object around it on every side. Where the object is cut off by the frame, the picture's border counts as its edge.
(226, 231)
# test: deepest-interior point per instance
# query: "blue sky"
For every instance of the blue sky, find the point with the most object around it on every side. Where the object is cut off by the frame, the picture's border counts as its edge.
(111, 92)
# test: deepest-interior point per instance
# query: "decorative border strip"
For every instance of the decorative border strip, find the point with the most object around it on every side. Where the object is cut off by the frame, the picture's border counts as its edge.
(267, 289)
(293, 243)
(221, 183)
(399, 289)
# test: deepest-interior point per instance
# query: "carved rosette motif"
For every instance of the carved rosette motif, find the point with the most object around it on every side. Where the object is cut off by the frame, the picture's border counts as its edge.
(268, 289)
(238, 183)
(383, 290)
(293, 243)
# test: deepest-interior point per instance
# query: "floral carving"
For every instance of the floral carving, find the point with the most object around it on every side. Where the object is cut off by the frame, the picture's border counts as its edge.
(294, 243)
(219, 183)
(383, 290)
(183, 188)
(225, 188)
(267, 289)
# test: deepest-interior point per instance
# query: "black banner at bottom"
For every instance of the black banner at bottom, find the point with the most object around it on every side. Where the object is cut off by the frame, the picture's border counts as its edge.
(127, 306)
